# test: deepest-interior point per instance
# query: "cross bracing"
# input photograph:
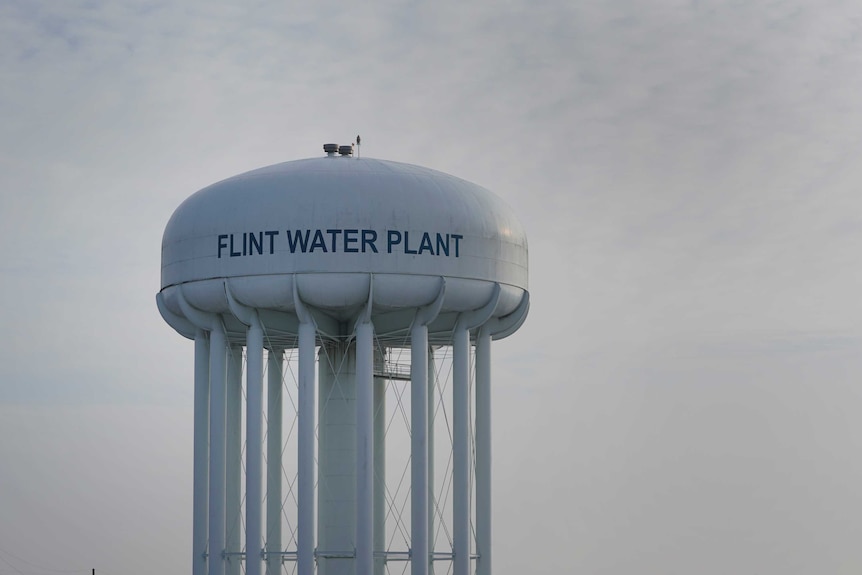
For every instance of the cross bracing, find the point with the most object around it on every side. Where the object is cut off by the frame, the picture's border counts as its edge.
(392, 369)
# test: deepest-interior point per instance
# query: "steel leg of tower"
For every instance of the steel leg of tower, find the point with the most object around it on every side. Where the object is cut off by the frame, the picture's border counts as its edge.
(461, 449)
(364, 532)
(336, 459)
(216, 534)
(483, 452)
(432, 387)
(254, 449)
(379, 472)
(201, 453)
(419, 449)
(233, 461)
(305, 456)
(273, 462)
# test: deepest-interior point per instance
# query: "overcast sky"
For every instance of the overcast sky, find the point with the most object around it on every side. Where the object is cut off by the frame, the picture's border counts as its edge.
(684, 397)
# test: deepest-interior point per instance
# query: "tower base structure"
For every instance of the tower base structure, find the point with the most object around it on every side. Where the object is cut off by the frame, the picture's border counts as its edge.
(350, 514)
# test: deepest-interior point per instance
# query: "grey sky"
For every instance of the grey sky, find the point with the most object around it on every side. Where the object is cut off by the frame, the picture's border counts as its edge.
(683, 397)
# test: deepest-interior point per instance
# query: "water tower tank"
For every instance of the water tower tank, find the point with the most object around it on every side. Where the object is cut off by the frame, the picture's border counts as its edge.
(345, 258)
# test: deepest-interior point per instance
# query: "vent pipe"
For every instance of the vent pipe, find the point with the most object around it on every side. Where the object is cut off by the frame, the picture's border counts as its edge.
(330, 149)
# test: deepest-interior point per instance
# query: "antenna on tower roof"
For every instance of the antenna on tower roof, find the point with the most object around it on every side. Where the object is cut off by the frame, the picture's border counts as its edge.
(358, 139)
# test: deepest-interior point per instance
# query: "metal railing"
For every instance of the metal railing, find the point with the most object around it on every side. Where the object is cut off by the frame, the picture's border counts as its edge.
(393, 370)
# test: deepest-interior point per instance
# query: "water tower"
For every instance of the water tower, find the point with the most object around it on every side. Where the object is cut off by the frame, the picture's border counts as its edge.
(342, 263)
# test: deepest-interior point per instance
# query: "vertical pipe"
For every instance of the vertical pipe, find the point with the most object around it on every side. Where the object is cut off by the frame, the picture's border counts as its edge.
(364, 532)
(419, 449)
(379, 471)
(273, 463)
(233, 460)
(461, 448)
(432, 403)
(201, 455)
(217, 452)
(305, 455)
(483, 451)
(328, 356)
(254, 449)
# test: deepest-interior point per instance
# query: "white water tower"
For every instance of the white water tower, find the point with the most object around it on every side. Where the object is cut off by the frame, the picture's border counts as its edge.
(343, 264)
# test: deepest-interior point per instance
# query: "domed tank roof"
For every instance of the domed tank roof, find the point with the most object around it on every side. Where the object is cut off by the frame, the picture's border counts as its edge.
(344, 228)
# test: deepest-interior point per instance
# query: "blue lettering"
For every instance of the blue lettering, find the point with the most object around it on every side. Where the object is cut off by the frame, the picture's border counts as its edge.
(442, 246)
(317, 242)
(351, 241)
(457, 238)
(368, 239)
(297, 238)
(271, 235)
(334, 234)
(350, 238)
(255, 241)
(393, 238)
(407, 249)
(426, 246)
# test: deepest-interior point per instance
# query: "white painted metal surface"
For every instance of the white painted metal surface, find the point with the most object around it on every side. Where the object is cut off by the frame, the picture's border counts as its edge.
(201, 453)
(461, 447)
(432, 396)
(379, 469)
(233, 462)
(305, 455)
(340, 194)
(483, 451)
(419, 535)
(254, 451)
(356, 256)
(275, 364)
(218, 391)
(330, 225)
(364, 531)
(337, 458)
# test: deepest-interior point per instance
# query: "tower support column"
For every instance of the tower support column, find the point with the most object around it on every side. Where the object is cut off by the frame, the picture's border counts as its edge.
(483, 451)
(379, 469)
(461, 450)
(419, 449)
(201, 453)
(432, 397)
(364, 532)
(254, 449)
(305, 455)
(218, 352)
(233, 461)
(336, 458)
(273, 461)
